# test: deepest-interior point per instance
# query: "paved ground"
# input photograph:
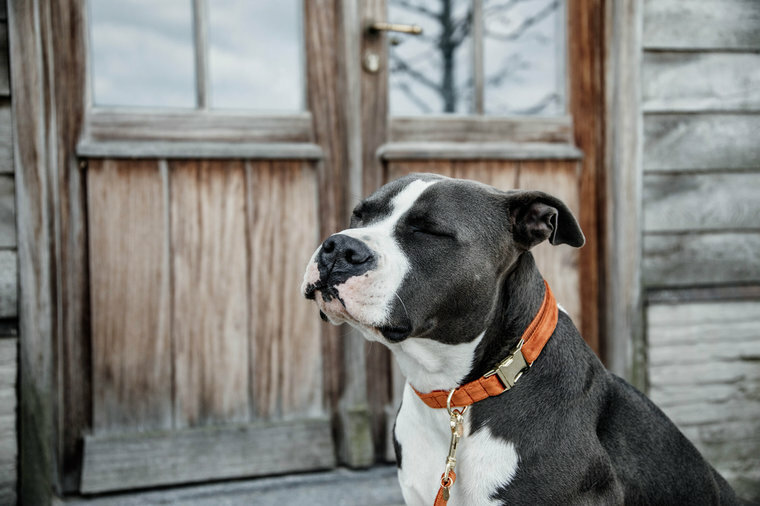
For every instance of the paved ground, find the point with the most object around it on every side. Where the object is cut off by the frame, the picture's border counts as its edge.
(341, 487)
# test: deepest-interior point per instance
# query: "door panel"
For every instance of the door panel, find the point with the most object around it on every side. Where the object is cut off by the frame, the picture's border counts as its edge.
(286, 348)
(130, 299)
(209, 292)
(203, 346)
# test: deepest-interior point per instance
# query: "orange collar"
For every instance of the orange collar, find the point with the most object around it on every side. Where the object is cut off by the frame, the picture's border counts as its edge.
(503, 376)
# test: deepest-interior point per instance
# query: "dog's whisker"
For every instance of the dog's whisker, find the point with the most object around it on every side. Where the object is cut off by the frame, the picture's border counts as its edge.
(402, 304)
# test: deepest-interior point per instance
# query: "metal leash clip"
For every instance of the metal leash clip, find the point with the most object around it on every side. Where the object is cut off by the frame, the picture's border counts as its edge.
(456, 422)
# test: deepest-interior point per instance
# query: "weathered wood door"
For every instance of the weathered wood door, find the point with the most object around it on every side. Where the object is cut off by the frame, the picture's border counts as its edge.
(206, 362)
(500, 92)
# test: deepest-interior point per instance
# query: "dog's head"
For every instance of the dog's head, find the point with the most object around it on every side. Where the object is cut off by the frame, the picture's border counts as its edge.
(425, 255)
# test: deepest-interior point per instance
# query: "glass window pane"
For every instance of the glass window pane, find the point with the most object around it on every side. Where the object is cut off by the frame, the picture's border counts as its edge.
(431, 73)
(255, 55)
(142, 53)
(524, 57)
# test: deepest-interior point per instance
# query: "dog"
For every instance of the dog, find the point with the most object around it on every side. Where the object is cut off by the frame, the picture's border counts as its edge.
(440, 271)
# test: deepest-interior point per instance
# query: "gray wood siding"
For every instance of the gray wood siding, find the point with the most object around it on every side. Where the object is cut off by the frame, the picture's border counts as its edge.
(675, 202)
(8, 445)
(701, 24)
(689, 81)
(704, 374)
(8, 283)
(700, 103)
(699, 141)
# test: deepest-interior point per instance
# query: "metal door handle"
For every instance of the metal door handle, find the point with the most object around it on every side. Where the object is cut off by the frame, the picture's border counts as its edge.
(380, 26)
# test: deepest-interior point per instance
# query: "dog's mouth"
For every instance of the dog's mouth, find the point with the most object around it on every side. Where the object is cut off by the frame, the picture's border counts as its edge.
(332, 309)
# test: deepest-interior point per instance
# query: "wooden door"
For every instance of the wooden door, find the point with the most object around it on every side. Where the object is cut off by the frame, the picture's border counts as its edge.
(442, 104)
(206, 362)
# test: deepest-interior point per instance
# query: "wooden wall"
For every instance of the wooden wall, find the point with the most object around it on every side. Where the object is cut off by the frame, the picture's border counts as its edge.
(700, 83)
(8, 282)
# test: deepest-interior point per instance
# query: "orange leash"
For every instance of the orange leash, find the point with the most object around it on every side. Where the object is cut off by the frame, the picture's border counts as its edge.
(443, 493)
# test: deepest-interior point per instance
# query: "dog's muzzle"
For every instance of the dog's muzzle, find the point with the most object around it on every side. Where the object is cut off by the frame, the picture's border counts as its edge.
(340, 258)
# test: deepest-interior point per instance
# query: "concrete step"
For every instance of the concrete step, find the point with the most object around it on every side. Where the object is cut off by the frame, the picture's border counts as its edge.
(377, 486)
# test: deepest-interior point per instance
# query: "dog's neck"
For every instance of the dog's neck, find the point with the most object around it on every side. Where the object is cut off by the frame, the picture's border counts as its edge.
(431, 365)
(522, 293)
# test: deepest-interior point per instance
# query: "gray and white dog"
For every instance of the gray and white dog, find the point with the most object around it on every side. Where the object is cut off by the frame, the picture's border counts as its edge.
(439, 270)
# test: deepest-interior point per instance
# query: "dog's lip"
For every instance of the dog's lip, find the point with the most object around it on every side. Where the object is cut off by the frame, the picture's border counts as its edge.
(311, 290)
(395, 333)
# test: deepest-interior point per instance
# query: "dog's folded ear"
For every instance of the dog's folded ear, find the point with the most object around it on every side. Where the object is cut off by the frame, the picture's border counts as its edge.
(536, 216)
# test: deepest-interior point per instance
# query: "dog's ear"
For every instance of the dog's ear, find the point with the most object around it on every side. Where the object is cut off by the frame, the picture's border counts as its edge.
(536, 216)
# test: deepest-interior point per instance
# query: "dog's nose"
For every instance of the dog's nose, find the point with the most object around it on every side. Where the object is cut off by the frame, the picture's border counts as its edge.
(344, 256)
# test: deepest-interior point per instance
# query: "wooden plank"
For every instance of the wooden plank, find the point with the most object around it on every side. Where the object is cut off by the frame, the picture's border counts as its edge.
(7, 211)
(701, 141)
(8, 375)
(338, 90)
(36, 352)
(701, 24)
(558, 264)
(481, 129)
(704, 322)
(674, 202)
(47, 81)
(8, 439)
(672, 260)
(192, 455)
(131, 341)
(377, 486)
(6, 137)
(286, 365)
(620, 298)
(678, 81)
(375, 106)
(64, 33)
(8, 284)
(5, 88)
(586, 104)
(194, 150)
(195, 126)
(478, 151)
(704, 294)
(210, 292)
(498, 173)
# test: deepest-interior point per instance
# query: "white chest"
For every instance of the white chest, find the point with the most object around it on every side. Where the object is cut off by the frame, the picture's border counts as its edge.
(484, 463)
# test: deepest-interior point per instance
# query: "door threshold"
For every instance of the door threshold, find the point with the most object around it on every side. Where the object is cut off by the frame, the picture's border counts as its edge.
(377, 486)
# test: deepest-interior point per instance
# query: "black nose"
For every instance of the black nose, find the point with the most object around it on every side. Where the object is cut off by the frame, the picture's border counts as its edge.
(342, 257)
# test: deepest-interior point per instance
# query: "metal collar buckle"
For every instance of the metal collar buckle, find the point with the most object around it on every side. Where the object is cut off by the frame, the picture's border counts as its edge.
(511, 368)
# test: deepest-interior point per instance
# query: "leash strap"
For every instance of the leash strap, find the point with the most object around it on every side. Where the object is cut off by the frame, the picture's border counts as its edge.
(443, 493)
(504, 376)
